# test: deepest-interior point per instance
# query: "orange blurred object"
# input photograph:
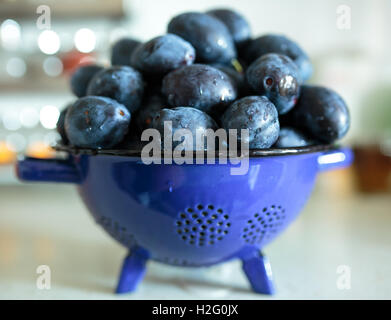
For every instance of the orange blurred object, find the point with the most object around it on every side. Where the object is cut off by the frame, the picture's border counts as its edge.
(7, 155)
(75, 59)
(40, 150)
(372, 169)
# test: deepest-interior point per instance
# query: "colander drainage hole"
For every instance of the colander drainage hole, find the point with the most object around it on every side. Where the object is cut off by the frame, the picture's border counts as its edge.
(117, 231)
(202, 225)
(264, 224)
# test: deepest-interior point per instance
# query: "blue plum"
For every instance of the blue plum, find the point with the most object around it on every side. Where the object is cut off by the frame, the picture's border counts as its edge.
(162, 55)
(122, 51)
(184, 118)
(82, 77)
(257, 114)
(291, 137)
(199, 86)
(149, 109)
(236, 24)
(275, 76)
(121, 83)
(96, 122)
(282, 45)
(322, 113)
(208, 35)
(238, 78)
(61, 124)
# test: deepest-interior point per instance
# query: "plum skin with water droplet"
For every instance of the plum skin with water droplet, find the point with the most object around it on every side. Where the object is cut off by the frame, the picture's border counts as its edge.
(208, 35)
(183, 118)
(163, 54)
(322, 113)
(121, 83)
(96, 122)
(199, 86)
(276, 77)
(257, 114)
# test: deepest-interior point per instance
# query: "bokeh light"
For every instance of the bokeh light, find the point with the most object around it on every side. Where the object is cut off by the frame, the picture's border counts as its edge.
(29, 117)
(16, 142)
(40, 150)
(85, 40)
(49, 42)
(51, 138)
(7, 155)
(52, 66)
(11, 120)
(10, 34)
(48, 117)
(16, 67)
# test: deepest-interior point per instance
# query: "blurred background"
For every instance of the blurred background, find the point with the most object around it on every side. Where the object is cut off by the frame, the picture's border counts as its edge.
(35, 64)
(350, 56)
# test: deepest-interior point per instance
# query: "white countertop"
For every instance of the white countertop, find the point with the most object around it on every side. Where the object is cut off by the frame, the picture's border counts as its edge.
(48, 225)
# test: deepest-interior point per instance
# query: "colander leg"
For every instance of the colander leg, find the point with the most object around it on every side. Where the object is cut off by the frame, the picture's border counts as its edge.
(259, 273)
(132, 272)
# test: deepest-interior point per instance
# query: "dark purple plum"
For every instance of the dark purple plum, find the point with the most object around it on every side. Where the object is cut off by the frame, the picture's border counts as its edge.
(149, 109)
(132, 141)
(184, 118)
(96, 122)
(162, 55)
(291, 137)
(236, 24)
(82, 77)
(121, 83)
(238, 78)
(276, 77)
(122, 51)
(322, 113)
(199, 86)
(257, 114)
(282, 45)
(61, 124)
(208, 35)
(188, 118)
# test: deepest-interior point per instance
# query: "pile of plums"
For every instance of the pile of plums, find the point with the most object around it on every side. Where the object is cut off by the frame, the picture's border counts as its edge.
(207, 72)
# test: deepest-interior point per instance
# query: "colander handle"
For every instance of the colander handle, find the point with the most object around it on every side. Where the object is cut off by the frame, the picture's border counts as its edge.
(47, 170)
(335, 159)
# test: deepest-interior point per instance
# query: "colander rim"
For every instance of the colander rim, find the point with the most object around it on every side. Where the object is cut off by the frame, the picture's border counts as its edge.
(253, 153)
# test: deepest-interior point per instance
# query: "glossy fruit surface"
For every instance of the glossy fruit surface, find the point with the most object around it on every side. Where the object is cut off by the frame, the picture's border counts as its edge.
(322, 113)
(276, 77)
(82, 77)
(199, 86)
(96, 122)
(208, 35)
(237, 78)
(259, 116)
(291, 137)
(61, 124)
(122, 51)
(282, 45)
(163, 54)
(149, 109)
(184, 118)
(121, 83)
(236, 24)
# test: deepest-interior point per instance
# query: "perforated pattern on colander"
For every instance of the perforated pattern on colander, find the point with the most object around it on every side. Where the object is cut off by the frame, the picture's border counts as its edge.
(264, 224)
(202, 225)
(117, 231)
(178, 262)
